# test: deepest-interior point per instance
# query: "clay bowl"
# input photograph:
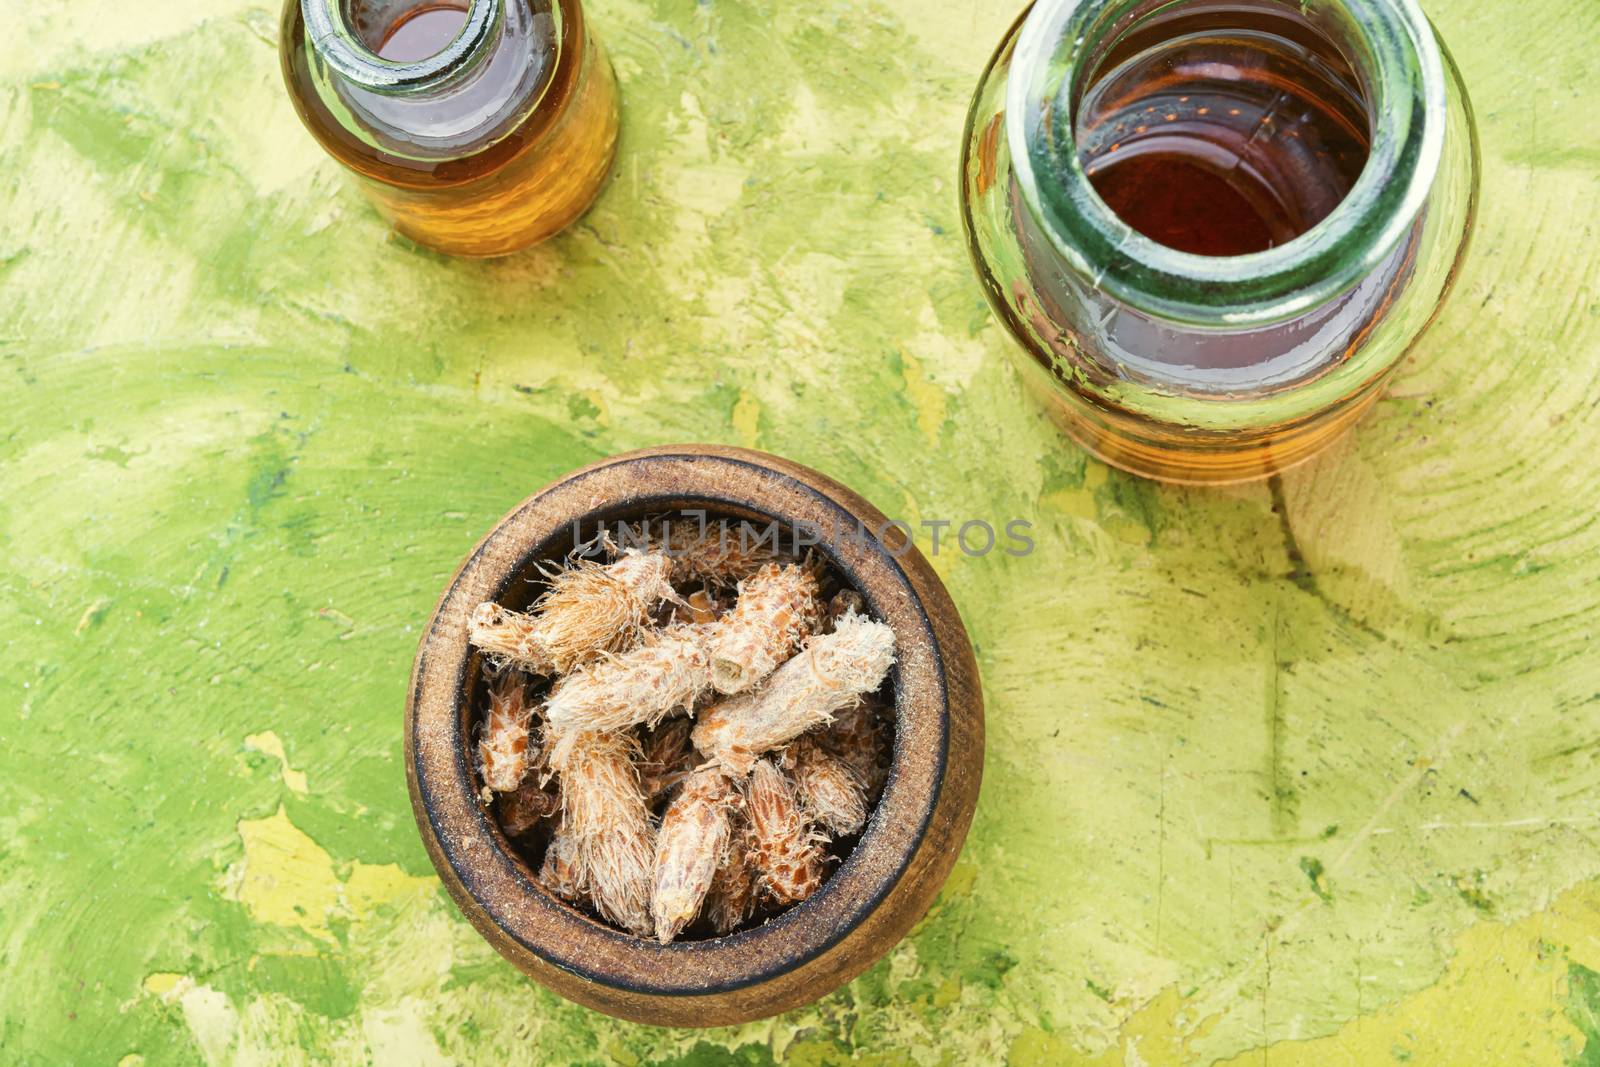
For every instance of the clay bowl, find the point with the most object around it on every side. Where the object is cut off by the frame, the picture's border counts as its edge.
(872, 899)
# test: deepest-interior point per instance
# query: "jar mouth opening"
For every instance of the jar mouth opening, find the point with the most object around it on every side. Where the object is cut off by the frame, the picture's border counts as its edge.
(335, 28)
(1393, 53)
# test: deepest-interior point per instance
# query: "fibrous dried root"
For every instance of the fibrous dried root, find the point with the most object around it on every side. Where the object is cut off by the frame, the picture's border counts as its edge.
(831, 794)
(561, 872)
(503, 747)
(796, 750)
(666, 758)
(832, 672)
(860, 735)
(665, 673)
(604, 810)
(690, 847)
(732, 900)
(782, 848)
(590, 608)
(777, 608)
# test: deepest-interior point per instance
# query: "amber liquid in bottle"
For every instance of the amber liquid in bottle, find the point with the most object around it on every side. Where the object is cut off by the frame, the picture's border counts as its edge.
(1224, 132)
(422, 32)
(498, 190)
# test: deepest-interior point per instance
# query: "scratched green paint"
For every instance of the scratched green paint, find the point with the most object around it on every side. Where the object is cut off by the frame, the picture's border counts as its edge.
(1280, 772)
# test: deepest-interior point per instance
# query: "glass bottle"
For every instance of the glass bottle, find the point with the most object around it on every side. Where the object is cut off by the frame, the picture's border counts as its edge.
(1294, 186)
(477, 127)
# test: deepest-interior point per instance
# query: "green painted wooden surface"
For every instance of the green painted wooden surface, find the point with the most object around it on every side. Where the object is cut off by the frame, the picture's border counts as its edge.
(1292, 774)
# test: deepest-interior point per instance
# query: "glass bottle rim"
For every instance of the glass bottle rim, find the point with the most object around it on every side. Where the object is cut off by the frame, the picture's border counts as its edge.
(329, 32)
(1405, 81)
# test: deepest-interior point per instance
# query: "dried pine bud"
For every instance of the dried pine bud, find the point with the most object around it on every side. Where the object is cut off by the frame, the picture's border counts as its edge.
(592, 608)
(508, 637)
(690, 846)
(560, 873)
(522, 810)
(605, 812)
(832, 673)
(698, 607)
(666, 758)
(716, 553)
(668, 671)
(589, 609)
(842, 603)
(830, 793)
(782, 848)
(503, 748)
(776, 610)
(732, 899)
(860, 736)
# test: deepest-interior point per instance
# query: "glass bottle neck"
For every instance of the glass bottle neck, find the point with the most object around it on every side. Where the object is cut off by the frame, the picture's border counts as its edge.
(466, 96)
(1064, 47)
(348, 35)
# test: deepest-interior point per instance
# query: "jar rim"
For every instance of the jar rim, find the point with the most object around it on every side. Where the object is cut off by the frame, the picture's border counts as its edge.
(329, 32)
(1405, 80)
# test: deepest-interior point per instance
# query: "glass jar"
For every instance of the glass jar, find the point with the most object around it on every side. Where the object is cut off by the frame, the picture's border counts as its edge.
(1308, 273)
(477, 128)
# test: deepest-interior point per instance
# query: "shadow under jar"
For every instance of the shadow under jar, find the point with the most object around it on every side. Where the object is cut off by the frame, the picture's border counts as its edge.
(1215, 227)
(477, 127)
(878, 891)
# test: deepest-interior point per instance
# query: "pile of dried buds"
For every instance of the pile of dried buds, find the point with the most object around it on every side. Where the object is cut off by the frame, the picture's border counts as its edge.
(690, 735)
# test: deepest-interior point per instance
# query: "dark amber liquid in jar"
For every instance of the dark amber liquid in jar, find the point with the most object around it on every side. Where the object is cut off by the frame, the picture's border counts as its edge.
(1220, 131)
(1224, 132)
(499, 192)
(1214, 227)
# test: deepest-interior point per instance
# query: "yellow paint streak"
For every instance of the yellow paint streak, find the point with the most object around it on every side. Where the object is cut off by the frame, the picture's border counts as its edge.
(161, 983)
(963, 877)
(747, 419)
(926, 397)
(372, 885)
(268, 743)
(602, 406)
(1128, 531)
(287, 879)
(284, 878)
(1039, 1048)
(1079, 502)
(1073, 503)
(706, 189)
(1502, 999)
(87, 618)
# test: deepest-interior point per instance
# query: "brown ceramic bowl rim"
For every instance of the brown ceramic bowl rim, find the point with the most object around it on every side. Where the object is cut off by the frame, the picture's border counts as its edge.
(495, 888)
